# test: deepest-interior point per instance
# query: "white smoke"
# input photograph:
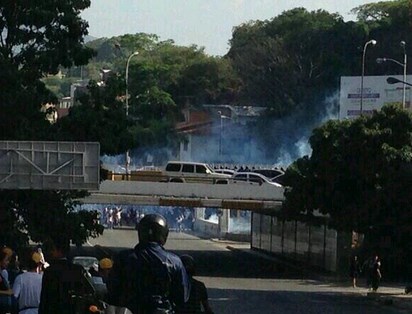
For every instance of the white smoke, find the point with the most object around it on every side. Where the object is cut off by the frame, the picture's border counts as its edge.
(274, 142)
(240, 225)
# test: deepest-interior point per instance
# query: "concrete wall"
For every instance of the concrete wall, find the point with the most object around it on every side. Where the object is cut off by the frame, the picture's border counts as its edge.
(193, 190)
(219, 228)
(206, 227)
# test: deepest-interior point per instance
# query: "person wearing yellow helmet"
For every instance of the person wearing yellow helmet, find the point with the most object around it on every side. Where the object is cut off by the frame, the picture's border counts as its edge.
(105, 266)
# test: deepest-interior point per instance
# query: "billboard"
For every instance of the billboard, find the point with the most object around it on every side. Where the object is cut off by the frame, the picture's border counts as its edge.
(49, 165)
(376, 93)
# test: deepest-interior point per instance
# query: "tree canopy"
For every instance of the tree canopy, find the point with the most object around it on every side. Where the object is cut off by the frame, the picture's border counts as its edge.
(293, 60)
(36, 39)
(359, 174)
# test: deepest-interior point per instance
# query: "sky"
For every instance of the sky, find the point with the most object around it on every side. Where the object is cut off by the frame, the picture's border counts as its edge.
(205, 23)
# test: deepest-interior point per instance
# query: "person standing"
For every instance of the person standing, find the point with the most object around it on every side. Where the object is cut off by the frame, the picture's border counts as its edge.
(100, 278)
(198, 301)
(27, 286)
(367, 269)
(5, 289)
(64, 283)
(376, 275)
(43, 260)
(354, 270)
(157, 281)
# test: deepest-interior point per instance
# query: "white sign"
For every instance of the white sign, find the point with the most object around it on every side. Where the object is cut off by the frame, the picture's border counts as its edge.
(376, 93)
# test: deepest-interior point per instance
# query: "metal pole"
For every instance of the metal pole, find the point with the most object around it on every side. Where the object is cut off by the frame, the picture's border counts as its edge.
(361, 86)
(373, 42)
(404, 74)
(220, 133)
(127, 108)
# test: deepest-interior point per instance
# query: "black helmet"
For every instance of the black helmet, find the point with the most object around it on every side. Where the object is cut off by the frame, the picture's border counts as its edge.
(153, 228)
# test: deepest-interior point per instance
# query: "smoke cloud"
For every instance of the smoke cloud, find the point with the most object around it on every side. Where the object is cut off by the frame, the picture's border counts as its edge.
(235, 141)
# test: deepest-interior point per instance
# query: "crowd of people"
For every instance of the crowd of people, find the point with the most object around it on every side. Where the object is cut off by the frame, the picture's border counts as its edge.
(178, 218)
(145, 279)
(370, 269)
(21, 280)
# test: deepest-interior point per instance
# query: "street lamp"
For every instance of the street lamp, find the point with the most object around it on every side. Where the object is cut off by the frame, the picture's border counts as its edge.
(404, 65)
(127, 106)
(222, 116)
(220, 133)
(394, 80)
(373, 42)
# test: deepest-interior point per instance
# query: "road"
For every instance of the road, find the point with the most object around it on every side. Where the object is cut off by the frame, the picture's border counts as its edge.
(240, 281)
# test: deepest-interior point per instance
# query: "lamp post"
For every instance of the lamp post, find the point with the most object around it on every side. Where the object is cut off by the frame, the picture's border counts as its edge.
(222, 116)
(404, 65)
(127, 106)
(373, 42)
(220, 133)
(394, 80)
(405, 61)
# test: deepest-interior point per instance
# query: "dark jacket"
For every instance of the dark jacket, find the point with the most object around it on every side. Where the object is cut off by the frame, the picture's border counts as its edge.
(156, 279)
(62, 283)
(198, 297)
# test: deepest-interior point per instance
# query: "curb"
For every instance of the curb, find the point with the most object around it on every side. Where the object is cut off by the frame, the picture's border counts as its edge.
(391, 299)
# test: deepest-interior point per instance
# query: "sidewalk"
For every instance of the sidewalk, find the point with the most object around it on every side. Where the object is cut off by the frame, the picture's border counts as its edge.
(388, 294)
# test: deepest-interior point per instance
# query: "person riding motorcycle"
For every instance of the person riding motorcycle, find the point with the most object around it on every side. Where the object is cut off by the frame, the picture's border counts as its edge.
(156, 280)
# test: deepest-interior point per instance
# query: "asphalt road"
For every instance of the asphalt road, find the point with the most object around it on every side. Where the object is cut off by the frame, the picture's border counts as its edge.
(240, 281)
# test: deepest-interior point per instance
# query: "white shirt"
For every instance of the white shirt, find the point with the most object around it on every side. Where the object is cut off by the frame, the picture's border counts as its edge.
(27, 290)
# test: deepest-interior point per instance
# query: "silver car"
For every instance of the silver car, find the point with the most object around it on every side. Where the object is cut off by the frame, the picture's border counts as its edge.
(252, 178)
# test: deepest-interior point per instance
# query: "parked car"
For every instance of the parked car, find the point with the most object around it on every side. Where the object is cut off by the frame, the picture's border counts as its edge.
(225, 171)
(270, 173)
(251, 178)
(192, 172)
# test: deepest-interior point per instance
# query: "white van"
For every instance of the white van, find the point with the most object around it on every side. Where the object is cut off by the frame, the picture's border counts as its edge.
(191, 172)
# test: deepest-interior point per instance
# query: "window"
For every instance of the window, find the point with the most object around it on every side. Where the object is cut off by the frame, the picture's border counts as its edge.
(240, 177)
(173, 167)
(188, 168)
(253, 178)
(201, 169)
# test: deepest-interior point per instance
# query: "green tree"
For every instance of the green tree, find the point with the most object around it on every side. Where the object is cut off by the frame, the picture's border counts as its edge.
(293, 60)
(359, 174)
(37, 38)
(162, 79)
(389, 23)
(99, 116)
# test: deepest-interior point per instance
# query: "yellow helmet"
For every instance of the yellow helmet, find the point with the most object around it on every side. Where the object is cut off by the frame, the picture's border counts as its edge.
(36, 257)
(106, 263)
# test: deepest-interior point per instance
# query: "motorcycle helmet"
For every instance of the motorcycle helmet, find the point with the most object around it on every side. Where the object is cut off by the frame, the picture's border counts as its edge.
(153, 228)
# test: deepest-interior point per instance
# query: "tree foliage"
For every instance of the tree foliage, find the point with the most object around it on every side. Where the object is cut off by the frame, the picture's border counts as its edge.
(359, 173)
(388, 11)
(37, 38)
(293, 60)
(162, 79)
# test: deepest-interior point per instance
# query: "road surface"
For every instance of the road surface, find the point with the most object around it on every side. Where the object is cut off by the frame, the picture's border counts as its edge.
(240, 281)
